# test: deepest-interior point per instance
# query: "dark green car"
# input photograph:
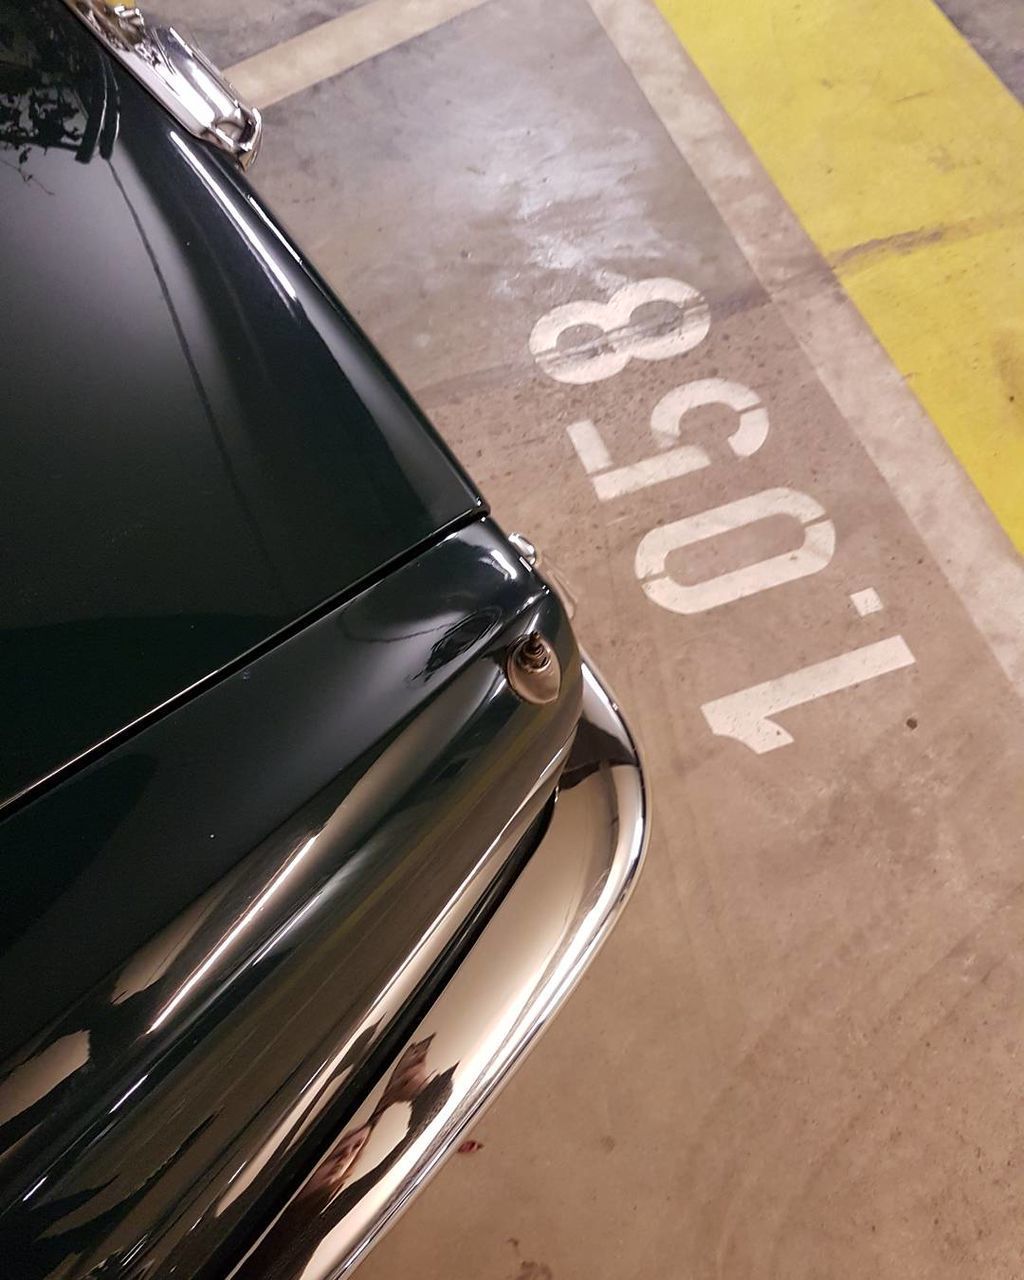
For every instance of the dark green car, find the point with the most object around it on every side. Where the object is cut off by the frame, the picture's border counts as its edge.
(311, 813)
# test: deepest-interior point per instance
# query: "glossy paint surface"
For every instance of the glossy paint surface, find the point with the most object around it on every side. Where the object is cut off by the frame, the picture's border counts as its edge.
(247, 902)
(199, 446)
(492, 1008)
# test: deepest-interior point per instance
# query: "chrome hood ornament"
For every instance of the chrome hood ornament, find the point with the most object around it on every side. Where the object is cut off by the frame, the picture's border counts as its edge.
(178, 75)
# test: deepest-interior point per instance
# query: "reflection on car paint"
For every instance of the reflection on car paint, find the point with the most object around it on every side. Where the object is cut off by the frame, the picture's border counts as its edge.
(512, 980)
(330, 1193)
(252, 1016)
(222, 452)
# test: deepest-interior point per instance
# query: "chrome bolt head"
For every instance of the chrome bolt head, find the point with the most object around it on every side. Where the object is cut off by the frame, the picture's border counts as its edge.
(533, 669)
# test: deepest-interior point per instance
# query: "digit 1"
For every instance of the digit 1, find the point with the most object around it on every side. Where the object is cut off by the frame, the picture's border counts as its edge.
(746, 715)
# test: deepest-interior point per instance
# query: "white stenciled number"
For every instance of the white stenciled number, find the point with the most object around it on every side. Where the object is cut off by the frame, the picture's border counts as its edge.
(814, 553)
(749, 434)
(752, 417)
(622, 338)
(746, 715)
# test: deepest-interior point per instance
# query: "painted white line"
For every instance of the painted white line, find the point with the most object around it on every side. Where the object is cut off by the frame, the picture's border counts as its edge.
(745, 715)
(592, 450)
(947, 511)
(335, 46)
(866, 601)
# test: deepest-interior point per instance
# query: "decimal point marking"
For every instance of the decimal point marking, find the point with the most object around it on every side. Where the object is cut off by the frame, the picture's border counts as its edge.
(867, 601)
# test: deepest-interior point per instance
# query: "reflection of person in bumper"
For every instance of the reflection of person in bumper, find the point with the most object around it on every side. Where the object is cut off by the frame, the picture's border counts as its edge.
(404, 1084)
(325, 1200)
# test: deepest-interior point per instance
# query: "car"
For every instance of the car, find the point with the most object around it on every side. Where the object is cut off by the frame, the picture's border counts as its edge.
(311, 810)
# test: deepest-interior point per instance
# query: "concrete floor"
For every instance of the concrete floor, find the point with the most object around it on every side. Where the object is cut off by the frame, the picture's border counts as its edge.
(799, 1055)
(996, 30)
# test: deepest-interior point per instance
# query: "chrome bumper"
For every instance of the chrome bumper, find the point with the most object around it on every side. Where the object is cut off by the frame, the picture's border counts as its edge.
(524, 964)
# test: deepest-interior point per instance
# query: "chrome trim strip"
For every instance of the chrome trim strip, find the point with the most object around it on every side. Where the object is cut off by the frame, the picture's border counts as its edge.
(178, 75)
(525, 963)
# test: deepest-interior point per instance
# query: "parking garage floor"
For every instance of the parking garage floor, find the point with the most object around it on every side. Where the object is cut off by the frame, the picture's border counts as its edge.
(722, 306)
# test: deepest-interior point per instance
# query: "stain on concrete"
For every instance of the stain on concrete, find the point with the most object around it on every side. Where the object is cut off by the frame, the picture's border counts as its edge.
(532, 1271)
(1009, 360)
(884, 246)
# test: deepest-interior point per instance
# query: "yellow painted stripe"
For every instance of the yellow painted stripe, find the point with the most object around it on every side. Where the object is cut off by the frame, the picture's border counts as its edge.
(901, 154)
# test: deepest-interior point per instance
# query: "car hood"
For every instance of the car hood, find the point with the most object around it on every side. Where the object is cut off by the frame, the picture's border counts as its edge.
(200, 449)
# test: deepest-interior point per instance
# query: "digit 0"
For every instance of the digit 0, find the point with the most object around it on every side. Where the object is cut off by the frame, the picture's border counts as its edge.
(814, 553)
